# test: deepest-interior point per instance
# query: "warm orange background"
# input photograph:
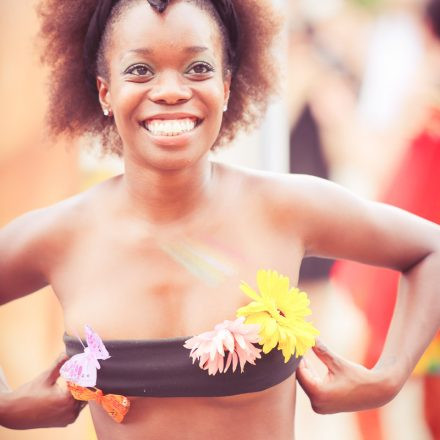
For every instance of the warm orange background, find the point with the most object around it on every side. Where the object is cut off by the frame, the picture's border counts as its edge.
(33, 173)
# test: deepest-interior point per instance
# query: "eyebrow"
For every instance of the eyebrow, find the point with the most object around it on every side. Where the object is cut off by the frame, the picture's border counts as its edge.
(147, 51)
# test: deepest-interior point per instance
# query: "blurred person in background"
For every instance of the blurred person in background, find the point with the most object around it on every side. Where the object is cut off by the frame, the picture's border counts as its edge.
(414, 186)
(356, 96)
(316, 65)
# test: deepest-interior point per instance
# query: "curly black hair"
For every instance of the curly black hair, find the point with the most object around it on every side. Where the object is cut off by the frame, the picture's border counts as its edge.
(74, 108)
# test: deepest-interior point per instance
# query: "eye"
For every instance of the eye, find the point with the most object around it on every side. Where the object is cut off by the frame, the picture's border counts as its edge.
(200, 69)
(139, 70)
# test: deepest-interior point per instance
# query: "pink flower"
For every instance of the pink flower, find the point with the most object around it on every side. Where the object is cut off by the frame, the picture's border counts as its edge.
(230, 337)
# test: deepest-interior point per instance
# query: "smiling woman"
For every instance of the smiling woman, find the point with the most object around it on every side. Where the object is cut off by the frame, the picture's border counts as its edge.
(153, 259)
(246, 35)
(166, 93)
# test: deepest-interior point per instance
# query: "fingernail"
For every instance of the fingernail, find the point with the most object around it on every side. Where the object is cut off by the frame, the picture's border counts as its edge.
(320, 344)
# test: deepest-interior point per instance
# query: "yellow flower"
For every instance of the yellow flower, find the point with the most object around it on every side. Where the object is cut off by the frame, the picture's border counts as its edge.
(280, 311)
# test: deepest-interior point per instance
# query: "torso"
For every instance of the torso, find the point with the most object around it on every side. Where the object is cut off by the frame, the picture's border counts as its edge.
(118, 275)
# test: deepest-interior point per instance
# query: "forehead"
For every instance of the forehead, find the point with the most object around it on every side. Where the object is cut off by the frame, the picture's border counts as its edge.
(180, 26)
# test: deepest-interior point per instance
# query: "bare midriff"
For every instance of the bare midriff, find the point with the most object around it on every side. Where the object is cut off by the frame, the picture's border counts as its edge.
(263, 415)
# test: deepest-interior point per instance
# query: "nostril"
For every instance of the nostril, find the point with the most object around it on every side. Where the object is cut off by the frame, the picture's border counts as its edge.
(170, 102)
(170, 93)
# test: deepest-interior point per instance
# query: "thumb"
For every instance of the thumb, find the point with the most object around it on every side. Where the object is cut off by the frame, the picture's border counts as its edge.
(331, 360)
(53, 373)
(307, 377)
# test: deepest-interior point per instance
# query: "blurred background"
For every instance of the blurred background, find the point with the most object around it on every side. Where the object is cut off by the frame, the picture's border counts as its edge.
(361, 107)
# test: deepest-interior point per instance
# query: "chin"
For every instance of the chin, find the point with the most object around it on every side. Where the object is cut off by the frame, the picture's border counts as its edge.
(174, 160)
(170, 153)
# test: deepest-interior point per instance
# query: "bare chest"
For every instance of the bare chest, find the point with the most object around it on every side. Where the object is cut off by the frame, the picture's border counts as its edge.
(132, 285)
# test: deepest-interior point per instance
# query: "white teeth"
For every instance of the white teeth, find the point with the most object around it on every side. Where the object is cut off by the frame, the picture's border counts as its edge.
(170, 127)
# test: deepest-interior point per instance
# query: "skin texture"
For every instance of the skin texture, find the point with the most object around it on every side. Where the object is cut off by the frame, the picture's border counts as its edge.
(40, 403)
(103, 250)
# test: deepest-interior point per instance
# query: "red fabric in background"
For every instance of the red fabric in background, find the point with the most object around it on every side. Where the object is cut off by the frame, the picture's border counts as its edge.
(415, 188)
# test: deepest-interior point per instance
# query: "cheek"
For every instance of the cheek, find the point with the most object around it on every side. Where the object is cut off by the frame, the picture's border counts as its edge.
(213, 97)
(127, 102)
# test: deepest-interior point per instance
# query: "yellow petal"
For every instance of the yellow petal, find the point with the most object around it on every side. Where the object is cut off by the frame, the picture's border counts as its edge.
(270, 327)
(257, 318)
(263, 282)
(244, 287)
(253, 307)
(269, 344)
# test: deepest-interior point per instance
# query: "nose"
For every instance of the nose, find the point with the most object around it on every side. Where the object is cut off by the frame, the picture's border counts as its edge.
(170, 88)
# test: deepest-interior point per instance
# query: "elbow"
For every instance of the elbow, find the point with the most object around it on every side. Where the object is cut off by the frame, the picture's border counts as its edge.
(430, 257)
(425, 273)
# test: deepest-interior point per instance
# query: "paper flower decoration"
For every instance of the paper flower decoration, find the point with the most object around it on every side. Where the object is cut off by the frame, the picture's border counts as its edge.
(81, 368)
(280, 310)
(233, 338)
(115, 405)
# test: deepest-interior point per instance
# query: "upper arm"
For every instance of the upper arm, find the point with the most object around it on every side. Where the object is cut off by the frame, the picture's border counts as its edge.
(335, 223)
(26, 252)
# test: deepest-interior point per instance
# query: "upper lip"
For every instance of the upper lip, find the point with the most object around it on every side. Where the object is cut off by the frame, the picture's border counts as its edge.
(171, 116)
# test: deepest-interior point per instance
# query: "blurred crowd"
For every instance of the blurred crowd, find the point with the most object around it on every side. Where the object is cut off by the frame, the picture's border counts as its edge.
(364, 112)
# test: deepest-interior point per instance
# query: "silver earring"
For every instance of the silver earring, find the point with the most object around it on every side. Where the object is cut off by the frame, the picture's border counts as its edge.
(225, 107)
(106, 112)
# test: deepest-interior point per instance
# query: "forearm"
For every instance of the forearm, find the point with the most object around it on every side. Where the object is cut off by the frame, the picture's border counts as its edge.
(415, 321)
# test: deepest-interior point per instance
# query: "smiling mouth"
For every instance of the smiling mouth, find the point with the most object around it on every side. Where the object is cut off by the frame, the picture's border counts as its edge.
(171, 127)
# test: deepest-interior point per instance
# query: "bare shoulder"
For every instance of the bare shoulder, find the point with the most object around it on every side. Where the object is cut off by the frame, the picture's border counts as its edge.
(32, 244)
(277, 187)
(288, 200)
(331, 221)
(57, 223)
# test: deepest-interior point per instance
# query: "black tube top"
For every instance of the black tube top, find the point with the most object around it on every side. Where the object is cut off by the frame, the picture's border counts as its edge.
(163, 368)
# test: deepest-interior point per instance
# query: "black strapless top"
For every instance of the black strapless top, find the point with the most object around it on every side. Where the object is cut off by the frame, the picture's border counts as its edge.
(163, 368)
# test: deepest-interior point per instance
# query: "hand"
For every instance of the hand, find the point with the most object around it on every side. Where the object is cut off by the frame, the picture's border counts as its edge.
(346, 386)
(41, 403)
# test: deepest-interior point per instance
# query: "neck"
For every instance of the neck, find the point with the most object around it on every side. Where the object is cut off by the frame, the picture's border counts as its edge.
(165, 196)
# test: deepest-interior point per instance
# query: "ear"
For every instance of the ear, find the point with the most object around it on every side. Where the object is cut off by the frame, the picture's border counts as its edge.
(103, 92)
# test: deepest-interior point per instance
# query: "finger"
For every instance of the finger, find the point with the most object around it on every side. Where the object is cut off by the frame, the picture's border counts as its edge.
(63, 390)
(307, 378)
(62, 385)
(53, 373)
(330, 359)
(79, 405)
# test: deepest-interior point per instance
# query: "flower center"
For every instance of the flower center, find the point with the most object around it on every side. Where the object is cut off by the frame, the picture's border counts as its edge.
(281, 313)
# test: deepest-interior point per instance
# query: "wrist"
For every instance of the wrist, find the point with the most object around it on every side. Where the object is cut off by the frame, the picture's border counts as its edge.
(391, 376)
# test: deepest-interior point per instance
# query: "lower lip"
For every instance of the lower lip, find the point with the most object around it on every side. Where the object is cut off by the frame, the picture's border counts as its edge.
(172, 141)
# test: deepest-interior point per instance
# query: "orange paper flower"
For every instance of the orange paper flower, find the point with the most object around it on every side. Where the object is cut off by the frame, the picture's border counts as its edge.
(115, 405)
